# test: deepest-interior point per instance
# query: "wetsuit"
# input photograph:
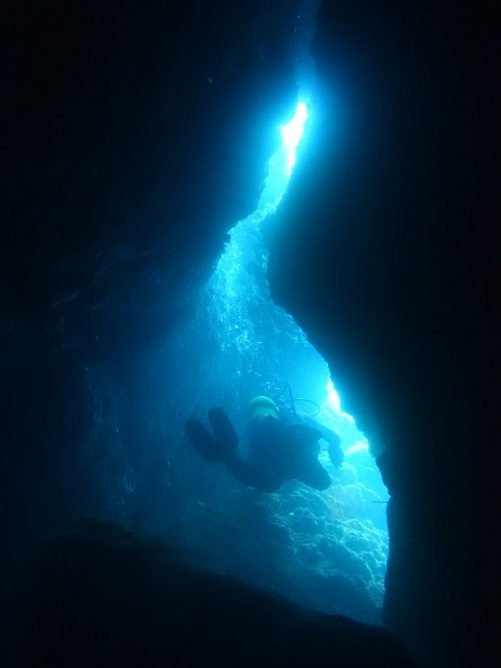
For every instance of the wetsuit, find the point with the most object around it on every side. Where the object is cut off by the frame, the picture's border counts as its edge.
(277, 451)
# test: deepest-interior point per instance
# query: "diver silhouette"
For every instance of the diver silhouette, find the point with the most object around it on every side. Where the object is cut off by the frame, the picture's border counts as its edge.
(277, 451)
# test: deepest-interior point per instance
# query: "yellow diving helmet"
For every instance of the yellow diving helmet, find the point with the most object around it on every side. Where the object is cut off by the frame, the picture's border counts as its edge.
(261, 407)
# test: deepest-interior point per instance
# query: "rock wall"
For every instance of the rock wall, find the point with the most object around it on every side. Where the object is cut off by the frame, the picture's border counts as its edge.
(388, 268)
(133, 137)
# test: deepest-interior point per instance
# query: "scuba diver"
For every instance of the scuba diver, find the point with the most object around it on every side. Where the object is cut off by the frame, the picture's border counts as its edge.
(277, 451)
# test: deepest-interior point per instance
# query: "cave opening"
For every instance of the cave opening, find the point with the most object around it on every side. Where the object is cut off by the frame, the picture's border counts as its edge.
(327, 550)
(134, 143)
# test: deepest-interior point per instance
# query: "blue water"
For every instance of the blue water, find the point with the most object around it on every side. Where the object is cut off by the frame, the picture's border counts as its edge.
(326, 550)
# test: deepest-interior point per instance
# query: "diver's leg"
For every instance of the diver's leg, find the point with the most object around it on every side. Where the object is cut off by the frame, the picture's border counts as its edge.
(222, 447)
(250, 475)
(312, 473)
(223, 430)
(215, 448)
(203, 442)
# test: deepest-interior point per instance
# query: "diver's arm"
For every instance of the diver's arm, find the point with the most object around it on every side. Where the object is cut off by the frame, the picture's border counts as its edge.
(336, 454)
(327, 434)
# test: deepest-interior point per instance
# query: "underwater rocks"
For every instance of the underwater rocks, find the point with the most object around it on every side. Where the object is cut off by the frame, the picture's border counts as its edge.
(138, 135)
(132, 152)
(383, 254)
(104, 596)
(293, 544)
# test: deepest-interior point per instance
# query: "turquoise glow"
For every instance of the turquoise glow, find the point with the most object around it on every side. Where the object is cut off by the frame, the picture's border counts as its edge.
(242, 344)
(292, 134)
(282, 162)
(239, 290)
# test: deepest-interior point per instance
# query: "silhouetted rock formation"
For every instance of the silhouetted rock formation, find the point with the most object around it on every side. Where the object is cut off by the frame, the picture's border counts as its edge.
(107, 597)
(389, 229)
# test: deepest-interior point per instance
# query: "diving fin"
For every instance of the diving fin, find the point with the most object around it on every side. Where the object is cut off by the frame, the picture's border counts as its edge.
(223, 431)
(203, 442)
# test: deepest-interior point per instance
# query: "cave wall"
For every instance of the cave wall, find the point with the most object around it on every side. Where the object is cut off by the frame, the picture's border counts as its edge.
(388, 226)
(133, 137)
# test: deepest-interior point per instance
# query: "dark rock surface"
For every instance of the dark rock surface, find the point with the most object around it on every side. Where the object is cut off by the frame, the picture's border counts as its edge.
(389, 235)
(106, 597)
(132, 138)
(135, 137)
(297, 543)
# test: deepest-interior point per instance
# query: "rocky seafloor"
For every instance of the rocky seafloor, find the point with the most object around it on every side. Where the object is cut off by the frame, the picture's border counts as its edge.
(323, 550)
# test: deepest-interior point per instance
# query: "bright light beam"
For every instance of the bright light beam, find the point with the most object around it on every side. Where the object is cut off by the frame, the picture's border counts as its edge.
(281, 163)
(292, 133)
(333, 399)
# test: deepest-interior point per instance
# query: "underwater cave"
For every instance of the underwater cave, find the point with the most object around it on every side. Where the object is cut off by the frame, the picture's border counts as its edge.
(327, 550)
(210, 202)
